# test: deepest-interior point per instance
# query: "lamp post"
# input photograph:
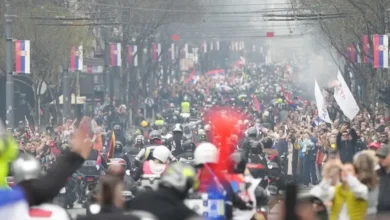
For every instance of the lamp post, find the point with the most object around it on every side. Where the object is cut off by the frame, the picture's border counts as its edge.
(9, 66)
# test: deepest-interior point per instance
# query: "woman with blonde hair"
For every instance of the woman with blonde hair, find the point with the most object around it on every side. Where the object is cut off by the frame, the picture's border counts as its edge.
(365, 164)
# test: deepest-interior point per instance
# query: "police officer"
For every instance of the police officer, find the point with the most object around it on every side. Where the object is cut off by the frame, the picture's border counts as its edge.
(185, 106)
(159, 123)
(177, 140)
(251, 141)
(188, 155)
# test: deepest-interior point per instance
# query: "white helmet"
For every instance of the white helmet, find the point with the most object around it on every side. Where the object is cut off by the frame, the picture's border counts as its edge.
(161, 153)
(207, 127)
(201, 132)
(206, 153)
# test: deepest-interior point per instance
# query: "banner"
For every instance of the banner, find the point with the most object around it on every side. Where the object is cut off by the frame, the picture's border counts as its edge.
(76, 59)
(322, 111)
(345, 99)
(381, 51)
(115, 54)
(22, 56)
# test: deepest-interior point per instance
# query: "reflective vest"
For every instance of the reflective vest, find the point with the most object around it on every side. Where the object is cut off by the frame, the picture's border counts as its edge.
(159, 122)
(185, 107)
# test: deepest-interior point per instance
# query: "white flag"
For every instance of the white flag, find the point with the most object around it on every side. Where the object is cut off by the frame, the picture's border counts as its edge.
(322, 111)
(345, 99)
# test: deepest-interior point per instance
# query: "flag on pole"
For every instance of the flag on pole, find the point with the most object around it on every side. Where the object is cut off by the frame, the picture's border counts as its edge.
(154, 52)
(367, 50)
(76, 59)
(186, 51)
(381, 51)
(22, 56)
(115, 54)
(159, 52)
(322, 110)
(345, 99)
(352, 53)
(111, 146)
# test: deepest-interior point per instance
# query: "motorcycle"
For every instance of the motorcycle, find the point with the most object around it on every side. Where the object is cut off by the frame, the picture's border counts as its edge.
(88, 177)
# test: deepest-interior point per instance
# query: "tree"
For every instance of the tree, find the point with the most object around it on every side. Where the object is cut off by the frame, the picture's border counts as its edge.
(354, 19)
(50, 42)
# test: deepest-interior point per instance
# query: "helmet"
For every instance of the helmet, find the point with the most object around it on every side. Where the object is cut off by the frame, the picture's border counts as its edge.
(251, 132)
(201, 132)
(26, 167)
(117, 127)
(188, 145)
(171, 105)
(139, 140)
(206, 153)
(267, 142)
(155, 135)
(118, 146)
(178, 128)
(144, 124)
(181, 177)
(238, 162)
(161, 153)
(207, 127)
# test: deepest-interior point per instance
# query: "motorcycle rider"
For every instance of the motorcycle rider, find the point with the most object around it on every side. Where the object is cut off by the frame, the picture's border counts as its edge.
(27, 168)
(119, 136)
(159, 122)
(157, 162)
(249, 142)
(202, 136)
(177, 140)
(188, 155)
(206, 157)
(167, 202)
(145, 153)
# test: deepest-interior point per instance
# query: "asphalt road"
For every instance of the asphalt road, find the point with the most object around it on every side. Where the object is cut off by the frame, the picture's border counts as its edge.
(274, 213)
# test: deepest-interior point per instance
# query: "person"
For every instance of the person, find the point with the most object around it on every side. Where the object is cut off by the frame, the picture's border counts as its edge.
(185, 106)
(345, 145)
(188, 154)
(177, 140)
(348, 199)
(167, 202)
(383, 154)
(247, 143)
(156, 164)
(25, 168)
(159, 122)
(111, 202)
(205, 158)
(365, 164)
(155, 141)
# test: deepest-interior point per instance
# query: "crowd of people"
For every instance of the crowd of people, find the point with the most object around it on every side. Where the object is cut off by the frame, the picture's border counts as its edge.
(344, 163)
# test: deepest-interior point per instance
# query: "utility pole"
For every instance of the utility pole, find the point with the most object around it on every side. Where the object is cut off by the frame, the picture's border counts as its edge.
(9, 66)
(107, 75)
(66, 95)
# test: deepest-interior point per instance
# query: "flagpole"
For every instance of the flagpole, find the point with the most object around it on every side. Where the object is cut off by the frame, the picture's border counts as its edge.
(9, 66)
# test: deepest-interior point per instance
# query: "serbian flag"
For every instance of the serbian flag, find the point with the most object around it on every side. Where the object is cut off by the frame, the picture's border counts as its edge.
(381, 51)
(257, 104)
(76, 59)
(154, 52)
(13, 204)
(115, 54)
(22, 56)
(111, 146)
(132, 55)
(192, 78)
(287, 95)
(99, 159)
(367, 50)
(215, 73)
(353, 54)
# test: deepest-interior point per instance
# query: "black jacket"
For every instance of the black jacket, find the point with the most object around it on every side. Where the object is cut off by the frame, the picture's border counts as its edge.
(384, 191)
(165, 204)
(44, 189)
(109, 213)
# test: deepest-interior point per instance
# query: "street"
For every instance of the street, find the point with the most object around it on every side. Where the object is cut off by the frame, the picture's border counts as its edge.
(274, 213)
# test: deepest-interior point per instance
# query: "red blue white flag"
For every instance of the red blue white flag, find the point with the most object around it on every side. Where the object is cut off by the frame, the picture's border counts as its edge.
(353, 53)
(381, 51)
(22, 56)
(76, 59)
(367, 50)
(115, 54)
